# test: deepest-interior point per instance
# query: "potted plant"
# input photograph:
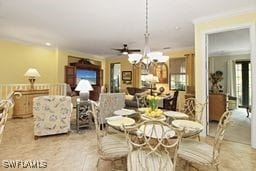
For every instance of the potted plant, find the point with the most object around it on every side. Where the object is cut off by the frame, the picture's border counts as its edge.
(215, 78)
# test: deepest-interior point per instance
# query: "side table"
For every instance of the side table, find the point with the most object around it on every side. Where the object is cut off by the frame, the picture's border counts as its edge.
(83, 117)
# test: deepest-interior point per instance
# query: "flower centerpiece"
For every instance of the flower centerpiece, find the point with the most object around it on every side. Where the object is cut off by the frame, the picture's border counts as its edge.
(153, 110)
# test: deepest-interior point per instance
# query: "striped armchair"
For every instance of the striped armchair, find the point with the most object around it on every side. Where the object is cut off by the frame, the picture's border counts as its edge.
(51, 115)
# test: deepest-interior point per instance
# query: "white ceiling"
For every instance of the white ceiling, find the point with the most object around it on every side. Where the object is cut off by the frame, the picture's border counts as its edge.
(229, 43)
(96, 26)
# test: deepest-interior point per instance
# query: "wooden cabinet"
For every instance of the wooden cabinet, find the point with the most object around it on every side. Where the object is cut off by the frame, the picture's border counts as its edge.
(23, 106)
(70, 76)
(217, 106)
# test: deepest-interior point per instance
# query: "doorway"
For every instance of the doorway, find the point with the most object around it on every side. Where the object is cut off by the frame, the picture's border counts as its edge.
(115, 74)
(229, 54)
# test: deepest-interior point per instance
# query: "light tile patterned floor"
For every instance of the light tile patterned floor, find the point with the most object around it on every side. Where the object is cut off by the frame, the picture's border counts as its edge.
(79, 151)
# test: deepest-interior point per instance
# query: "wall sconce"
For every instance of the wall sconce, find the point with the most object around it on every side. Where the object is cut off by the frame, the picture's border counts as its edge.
(84, 86)
(32, 74)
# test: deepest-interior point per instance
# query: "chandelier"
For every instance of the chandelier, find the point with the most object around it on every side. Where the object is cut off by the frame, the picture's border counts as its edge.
(147, 58)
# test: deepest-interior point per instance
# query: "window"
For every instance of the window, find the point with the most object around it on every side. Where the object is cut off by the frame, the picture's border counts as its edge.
(243, 83)
(177, 74)
(239, 83)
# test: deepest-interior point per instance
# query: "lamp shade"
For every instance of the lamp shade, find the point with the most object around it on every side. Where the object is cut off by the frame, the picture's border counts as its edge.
(32, 72)
(84, 86)
(134, 57)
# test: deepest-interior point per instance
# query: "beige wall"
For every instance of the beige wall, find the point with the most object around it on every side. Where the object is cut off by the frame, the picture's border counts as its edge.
(126, 66)
(16, 58)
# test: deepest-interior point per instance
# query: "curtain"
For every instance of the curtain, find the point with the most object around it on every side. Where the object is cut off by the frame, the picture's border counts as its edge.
(231, 77)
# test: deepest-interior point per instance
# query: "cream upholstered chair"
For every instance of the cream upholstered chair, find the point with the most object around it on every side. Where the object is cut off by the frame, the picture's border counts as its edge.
(202, 153)
(111, 147)
(51, 115)
(153, 146)
(110, 102)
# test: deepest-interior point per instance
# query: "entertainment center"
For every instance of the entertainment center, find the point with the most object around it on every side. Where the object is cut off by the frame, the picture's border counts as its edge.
(84, 69)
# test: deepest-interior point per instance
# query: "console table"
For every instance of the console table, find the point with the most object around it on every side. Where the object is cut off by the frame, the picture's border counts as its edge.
(23, 106)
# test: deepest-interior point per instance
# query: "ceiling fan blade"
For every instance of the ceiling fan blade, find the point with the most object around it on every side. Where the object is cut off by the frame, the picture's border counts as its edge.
(118, 49)
(134, 50)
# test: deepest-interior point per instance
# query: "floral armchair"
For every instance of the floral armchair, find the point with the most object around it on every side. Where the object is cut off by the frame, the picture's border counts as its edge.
(51, 115)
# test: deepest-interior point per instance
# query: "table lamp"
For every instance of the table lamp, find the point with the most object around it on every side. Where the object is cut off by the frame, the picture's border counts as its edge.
(84, 87)
(151, 79)
(32, 74)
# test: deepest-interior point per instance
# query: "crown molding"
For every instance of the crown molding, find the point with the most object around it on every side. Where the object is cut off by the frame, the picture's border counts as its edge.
(224, 14)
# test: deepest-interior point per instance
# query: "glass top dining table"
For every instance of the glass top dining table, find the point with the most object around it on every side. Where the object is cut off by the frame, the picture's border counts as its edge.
(127, 117)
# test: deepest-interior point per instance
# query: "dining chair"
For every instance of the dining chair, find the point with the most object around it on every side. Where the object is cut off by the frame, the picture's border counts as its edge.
(153, 146)
(110, 102)
(5, 105)
(111, 147)
(173, 101)
(202, 153)
(193, 109)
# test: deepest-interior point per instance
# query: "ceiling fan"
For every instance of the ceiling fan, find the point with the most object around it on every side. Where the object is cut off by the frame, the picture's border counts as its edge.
(126, 51)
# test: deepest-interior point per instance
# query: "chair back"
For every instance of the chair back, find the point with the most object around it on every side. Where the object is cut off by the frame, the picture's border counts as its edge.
(223, 123)
(157, 139)
(193, 109)
(110, 102)
(141, 99)
(173, 101)
(99, 124)
(5, 106)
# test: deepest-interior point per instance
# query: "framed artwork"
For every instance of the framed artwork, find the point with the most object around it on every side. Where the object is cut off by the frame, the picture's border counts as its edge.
(127, 75)
(161, 71)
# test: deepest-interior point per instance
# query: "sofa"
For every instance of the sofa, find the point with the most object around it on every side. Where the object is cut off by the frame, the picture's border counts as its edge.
(51, 115)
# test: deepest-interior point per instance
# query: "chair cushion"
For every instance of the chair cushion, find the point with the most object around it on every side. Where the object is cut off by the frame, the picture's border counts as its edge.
(114, 145)
(196, 152)
(140, 160)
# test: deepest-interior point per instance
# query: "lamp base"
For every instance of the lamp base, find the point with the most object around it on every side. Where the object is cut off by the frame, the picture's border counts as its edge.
(32, 81)
(84, 96)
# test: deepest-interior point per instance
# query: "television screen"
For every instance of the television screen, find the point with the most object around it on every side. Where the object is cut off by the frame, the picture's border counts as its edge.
(89, 75)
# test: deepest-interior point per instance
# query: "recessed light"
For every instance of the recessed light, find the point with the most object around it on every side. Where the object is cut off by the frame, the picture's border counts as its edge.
(48, 44)
(177, 27)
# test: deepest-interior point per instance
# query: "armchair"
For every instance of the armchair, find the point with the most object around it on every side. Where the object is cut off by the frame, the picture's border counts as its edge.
(51, 115)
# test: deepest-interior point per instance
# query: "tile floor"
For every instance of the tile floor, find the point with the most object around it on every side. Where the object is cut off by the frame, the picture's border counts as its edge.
(78, 151)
